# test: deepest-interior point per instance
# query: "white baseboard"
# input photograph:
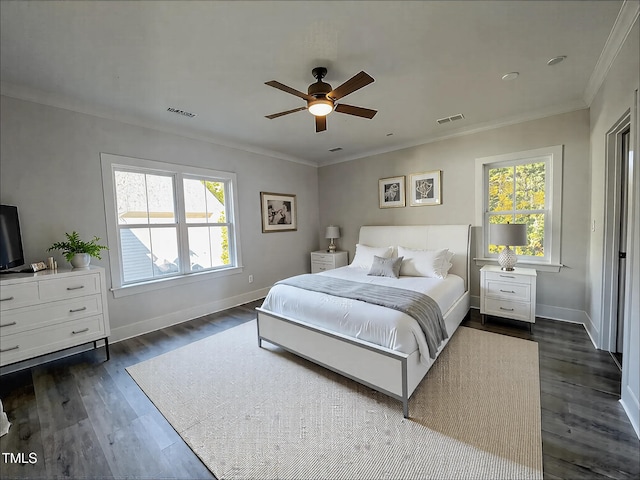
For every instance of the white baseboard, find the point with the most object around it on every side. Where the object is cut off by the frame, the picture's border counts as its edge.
(152, 324)
(632, 410)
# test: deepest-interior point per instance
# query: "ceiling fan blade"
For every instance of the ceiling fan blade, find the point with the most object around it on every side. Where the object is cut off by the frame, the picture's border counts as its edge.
(321, 124)
(292, 91)
(356, 82)
(357, 111)
(276, 115)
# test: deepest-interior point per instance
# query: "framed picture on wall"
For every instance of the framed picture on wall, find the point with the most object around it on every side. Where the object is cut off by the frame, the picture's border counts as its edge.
(391, 192)
(279, 212)
(425, 188)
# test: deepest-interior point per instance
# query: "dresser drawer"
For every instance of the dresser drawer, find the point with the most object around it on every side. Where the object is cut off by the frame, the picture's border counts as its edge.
(29, 318)
(69, 287)
(508, 291)
(18, 295)
(508, 309)
(21, 346)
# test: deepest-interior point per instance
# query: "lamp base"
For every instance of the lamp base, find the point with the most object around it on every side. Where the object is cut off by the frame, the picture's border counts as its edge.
(332, 248)
(507, 260)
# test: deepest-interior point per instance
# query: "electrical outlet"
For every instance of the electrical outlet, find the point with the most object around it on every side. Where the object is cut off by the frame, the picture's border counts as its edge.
(250, 278)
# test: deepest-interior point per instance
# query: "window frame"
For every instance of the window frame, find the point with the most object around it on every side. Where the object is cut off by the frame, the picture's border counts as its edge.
(553, 158)
(110, 163)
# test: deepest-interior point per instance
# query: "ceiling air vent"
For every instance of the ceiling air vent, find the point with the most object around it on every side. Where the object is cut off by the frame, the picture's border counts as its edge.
(452, 118)
(337, 149)
(181, 112)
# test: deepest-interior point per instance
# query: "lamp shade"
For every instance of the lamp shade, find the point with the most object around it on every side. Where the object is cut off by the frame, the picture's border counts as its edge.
(332, 232)
(508, 234)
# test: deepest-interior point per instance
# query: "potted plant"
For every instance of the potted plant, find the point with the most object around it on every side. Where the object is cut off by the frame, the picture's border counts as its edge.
(78, 252)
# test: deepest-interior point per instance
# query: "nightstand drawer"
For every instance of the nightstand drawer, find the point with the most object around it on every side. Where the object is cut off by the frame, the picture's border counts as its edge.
(322, 257)
(508, 291)
(507, 277)
(508, 309)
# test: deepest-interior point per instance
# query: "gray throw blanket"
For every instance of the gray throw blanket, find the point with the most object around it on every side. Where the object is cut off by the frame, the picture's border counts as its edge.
(417, 305)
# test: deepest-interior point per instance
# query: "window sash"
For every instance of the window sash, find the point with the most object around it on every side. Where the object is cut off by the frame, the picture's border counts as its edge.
(552, 157)
(112, 164)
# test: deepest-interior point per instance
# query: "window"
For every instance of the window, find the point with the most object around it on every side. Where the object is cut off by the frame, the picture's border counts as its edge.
(168, 221)
(523, 187)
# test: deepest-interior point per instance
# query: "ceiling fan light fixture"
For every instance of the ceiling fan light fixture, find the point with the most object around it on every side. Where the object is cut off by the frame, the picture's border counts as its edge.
(320, 107)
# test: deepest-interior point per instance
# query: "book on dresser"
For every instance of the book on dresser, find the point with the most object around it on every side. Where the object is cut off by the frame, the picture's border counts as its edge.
(52, 310)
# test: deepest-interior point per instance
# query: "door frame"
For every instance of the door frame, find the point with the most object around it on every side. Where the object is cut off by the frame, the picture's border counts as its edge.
(613, 171)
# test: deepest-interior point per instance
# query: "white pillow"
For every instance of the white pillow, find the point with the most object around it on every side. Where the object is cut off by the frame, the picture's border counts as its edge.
(425, 263)
(364, 255)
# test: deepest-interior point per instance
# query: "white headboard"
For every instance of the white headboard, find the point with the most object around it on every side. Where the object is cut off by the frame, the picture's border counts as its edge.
(457, 238)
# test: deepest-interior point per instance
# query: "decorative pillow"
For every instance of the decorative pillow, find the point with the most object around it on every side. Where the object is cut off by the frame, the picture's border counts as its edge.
(364, 255)
(425, 263)
(385, 267)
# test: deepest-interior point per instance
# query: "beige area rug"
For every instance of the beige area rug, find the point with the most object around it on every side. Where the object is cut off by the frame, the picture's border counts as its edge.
(262, 413)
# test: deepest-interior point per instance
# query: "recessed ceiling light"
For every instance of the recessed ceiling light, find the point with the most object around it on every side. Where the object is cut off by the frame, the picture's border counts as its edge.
(556, 60)
(510, 76)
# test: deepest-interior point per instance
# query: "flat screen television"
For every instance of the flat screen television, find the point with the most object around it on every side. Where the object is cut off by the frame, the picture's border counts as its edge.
(11, 253)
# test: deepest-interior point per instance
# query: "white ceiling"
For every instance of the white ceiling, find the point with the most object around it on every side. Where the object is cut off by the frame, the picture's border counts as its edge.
(429, 59)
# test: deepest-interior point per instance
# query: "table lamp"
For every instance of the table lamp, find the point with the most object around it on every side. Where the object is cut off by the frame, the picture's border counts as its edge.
(508, 234)
(332, 232)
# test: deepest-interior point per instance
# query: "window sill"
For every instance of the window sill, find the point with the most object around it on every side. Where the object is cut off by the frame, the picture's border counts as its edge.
(161, 283)
(540, 267)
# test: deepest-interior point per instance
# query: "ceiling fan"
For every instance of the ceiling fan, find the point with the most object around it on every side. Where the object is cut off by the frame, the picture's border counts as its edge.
(321, 98)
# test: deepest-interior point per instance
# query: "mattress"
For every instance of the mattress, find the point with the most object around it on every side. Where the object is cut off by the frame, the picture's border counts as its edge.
(372, 323)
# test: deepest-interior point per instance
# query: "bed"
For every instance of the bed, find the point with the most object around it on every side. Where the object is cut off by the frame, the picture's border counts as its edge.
(377, 346)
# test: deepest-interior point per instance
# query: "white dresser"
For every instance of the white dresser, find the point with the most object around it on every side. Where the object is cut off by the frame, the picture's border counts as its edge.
(323, 260)
(51, 310)
(508, 294)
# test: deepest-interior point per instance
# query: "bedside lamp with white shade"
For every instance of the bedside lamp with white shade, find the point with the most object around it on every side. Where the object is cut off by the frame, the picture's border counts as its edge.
(332, 232)
(509, 235)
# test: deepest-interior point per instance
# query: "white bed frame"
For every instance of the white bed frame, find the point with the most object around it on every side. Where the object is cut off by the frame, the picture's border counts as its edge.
(393, 373)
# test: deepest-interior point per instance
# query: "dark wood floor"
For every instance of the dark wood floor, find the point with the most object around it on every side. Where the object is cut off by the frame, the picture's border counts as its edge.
(83, 417)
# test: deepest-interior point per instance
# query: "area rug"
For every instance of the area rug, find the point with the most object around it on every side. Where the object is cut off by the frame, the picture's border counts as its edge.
(262, 413)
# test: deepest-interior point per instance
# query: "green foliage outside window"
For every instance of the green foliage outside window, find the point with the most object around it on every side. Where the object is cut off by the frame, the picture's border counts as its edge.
(517, 195)
(217, 190)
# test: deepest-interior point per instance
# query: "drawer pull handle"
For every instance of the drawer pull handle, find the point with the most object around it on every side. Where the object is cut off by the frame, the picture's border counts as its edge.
(8, 324)
(507, 291)
(74, 310)
(75, 332)
(75, 288)
(6, 299)
(506, 309)
(9, 349)
(507, 276)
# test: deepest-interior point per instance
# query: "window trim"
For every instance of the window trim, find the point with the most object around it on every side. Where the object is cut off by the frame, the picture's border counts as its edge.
(554, 156)
(109, 163)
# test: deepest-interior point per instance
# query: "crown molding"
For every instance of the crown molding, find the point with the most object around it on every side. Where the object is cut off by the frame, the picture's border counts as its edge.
(627, 17)
(477, 128)
(59, 101)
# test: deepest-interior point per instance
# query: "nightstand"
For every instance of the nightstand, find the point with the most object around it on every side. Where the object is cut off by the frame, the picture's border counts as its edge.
(508, 294)
(323, 260)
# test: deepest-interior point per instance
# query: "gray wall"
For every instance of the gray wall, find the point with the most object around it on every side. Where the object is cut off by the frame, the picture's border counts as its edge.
(614, 98)
(349, 196)
(50, 169)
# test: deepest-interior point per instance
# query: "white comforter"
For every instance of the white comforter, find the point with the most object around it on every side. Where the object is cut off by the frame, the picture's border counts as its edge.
(380, 325)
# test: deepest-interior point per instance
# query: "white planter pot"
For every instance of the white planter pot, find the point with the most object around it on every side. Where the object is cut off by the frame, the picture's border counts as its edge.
(81, 260)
